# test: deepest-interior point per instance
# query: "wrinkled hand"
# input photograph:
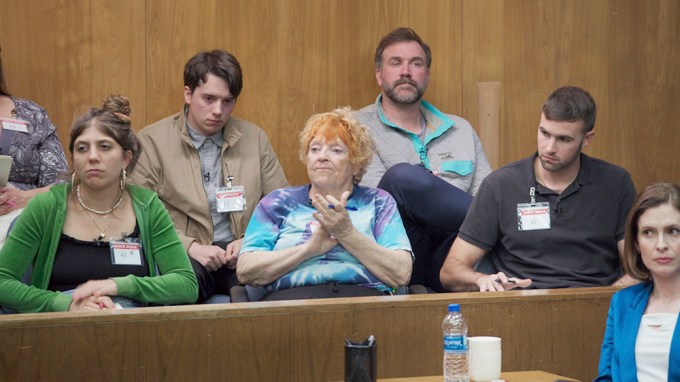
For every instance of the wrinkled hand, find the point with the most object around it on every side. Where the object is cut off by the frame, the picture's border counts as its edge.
(210, 256)
(500, 282)
(333, 220)
(12, 199)
(233, 249)
(320, 242)
(96, 288)
(92, 303)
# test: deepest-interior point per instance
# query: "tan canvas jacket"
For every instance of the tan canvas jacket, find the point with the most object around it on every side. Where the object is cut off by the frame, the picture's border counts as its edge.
(169, 164)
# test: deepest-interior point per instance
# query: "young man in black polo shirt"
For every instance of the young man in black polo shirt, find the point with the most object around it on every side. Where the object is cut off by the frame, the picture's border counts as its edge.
(553, 220)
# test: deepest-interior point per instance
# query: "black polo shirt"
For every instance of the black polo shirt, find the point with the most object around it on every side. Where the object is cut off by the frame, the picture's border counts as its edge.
(587, 220)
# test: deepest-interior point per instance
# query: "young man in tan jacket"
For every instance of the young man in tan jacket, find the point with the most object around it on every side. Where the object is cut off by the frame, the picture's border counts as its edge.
(209, 168)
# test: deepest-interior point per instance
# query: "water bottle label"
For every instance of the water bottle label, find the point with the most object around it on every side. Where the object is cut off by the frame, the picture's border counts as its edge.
(455, 344)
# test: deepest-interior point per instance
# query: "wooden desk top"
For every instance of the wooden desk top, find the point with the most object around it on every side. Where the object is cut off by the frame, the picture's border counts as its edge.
(510, 376)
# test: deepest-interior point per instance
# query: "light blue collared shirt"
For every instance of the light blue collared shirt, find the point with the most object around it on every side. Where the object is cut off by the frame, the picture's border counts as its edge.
(210, 152)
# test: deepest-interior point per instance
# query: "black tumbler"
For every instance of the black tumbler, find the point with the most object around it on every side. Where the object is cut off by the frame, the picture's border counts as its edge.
(360, 360)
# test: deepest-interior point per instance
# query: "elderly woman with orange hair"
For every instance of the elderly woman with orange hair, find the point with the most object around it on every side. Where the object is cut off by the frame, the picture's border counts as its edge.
(332, 237)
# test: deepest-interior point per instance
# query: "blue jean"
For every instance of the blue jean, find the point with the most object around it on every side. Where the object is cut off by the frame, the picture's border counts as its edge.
(433, 211)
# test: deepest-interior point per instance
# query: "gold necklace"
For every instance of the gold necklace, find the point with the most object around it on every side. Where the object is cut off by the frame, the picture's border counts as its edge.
(80, 201)
(102, 232)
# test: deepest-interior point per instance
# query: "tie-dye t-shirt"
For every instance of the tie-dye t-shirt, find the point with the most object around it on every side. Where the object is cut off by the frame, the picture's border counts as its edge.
(283, 219)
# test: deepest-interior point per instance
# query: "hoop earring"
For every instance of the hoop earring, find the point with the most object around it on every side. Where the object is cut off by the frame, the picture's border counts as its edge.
(73, 179)
(123, 180)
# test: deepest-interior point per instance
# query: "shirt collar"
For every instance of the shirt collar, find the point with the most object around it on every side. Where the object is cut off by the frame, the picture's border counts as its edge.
(308, 187)
(197, 139)
(378, 104)
(435, 120)
(583, 177)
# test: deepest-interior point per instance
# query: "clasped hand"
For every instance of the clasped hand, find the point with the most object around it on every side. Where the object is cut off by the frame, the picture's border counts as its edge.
(334, 222)
(214, 257)
(93, 295)
(332, 215)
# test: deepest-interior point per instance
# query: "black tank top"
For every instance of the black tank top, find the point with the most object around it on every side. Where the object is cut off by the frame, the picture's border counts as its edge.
(78, 261)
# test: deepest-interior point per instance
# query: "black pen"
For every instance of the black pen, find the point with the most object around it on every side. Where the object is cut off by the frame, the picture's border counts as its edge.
(348, 208)
(509, 281)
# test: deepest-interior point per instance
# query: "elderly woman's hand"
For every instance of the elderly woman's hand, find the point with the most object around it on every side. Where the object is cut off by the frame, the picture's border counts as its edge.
(320, 242)
(332, 215)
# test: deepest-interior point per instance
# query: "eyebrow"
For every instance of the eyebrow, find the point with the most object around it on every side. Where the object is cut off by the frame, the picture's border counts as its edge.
(107, 140)
(663, 226)
(543, 130)
(230, 98)
(414, 58)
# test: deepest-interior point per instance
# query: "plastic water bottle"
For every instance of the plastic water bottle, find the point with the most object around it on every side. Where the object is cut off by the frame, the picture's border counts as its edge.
(455, 346)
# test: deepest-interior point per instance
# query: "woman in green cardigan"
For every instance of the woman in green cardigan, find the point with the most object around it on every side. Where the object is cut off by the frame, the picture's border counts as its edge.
(96, 243)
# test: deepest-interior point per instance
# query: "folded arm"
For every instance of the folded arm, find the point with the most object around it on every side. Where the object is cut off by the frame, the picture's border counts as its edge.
(391, 266)
(264, 267)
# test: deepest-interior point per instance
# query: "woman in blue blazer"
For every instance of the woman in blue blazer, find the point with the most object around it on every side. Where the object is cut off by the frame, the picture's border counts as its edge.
(642, 339)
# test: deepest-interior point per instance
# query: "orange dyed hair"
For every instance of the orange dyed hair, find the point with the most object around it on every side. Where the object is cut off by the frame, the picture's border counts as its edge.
(340, 124)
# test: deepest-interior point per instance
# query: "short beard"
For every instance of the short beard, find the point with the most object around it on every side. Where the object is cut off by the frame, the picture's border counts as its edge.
(560, 166)
(404, 99)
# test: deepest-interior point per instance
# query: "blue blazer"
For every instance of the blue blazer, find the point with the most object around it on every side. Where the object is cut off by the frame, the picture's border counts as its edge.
(617, 359)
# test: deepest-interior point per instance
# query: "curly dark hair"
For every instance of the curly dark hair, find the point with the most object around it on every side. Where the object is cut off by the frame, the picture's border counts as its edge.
(112, 119)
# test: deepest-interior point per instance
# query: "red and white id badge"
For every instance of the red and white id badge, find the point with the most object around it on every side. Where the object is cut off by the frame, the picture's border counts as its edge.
(230, 199)
(14, 124)
(533, 216)
(128, 252)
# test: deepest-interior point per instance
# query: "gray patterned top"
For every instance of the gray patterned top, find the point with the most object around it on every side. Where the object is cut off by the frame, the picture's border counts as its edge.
(39, 158)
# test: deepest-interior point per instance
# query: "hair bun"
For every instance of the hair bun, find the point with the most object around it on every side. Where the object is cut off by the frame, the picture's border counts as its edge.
(117, 104)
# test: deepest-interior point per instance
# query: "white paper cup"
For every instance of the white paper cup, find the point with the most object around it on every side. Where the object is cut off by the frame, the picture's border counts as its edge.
(484, 358)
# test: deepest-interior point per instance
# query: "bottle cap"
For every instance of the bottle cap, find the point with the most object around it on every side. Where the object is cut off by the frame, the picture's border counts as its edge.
(454, 307)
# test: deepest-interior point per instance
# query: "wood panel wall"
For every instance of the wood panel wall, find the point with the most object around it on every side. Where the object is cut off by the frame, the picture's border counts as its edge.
(558, 331)
(307, 56)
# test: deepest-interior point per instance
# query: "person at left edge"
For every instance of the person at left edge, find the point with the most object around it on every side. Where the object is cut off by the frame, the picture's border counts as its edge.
(96, 240)
(209, 168)
(38, 160)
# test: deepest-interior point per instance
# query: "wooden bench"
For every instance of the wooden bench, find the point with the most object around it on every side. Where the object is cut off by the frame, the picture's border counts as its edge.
(558, 331)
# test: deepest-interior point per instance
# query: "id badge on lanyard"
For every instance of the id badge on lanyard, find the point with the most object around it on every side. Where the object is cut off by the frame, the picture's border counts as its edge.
(230, 198)
(126, 252)
(533, 216)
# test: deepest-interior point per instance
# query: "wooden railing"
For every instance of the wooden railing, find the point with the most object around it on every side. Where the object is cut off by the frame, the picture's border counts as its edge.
(558, 331)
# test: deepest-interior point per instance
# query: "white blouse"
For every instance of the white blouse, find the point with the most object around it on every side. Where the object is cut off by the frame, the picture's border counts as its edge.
(653, 346)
